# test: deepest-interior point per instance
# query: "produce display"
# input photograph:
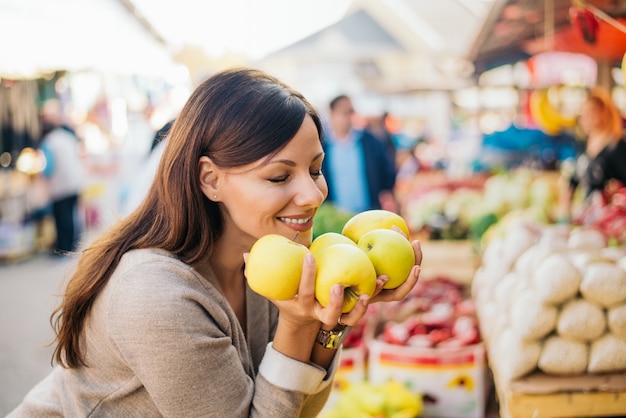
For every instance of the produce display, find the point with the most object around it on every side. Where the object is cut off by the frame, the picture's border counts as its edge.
(457, 209)
(437, 313)
(371, 243)
(607, 213)
(552, 298)
(430, 342)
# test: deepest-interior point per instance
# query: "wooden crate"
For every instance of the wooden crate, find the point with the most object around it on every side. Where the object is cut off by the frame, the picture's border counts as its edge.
(454, 259)
(542, 396)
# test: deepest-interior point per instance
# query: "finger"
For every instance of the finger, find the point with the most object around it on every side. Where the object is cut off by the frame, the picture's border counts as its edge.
(400, 292)
(306, 289)
(417, 249)
(352, 318)
(397, 229)
(381, 281)
(329, 314)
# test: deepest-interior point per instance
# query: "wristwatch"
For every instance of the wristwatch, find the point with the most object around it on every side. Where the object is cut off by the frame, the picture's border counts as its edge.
(334, 337)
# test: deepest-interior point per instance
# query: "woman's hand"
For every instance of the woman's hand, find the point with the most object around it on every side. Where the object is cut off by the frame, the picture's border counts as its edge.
(399, 293)
(304, 308)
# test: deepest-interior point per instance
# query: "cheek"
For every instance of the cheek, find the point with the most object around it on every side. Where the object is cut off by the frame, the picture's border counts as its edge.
(252, 208)
(323, 186)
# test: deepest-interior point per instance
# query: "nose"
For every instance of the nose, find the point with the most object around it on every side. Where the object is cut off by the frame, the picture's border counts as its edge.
(311, 192)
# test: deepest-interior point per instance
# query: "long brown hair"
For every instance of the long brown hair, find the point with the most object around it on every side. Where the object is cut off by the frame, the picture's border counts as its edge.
(609, 113)
(235, 117)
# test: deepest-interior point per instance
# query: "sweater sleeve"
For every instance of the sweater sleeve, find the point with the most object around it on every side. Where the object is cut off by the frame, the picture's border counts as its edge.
(191, 357)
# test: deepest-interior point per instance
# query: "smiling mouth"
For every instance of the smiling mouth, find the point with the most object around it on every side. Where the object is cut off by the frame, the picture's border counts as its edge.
(301, 221)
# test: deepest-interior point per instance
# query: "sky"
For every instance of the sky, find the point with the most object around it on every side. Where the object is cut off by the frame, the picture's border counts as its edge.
(251, 27)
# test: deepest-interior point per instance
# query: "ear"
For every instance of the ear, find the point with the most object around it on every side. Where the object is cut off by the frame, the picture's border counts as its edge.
(209, 176)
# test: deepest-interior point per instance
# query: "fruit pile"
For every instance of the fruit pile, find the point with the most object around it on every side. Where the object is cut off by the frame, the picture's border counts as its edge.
(367, 247)
(607, 213)
(365, 399)
(436, 314)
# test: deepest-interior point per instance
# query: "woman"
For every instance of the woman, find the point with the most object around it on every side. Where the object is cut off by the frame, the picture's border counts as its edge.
(158, 319)
(604, 157)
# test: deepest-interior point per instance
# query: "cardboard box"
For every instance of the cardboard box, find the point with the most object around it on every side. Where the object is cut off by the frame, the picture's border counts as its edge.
(454, 382)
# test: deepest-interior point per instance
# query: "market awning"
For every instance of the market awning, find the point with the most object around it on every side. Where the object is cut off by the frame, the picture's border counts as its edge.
(517, 29)
(41, 36)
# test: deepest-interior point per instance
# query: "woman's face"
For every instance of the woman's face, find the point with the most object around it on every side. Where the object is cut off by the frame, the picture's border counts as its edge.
(279, 195)
(590, 118)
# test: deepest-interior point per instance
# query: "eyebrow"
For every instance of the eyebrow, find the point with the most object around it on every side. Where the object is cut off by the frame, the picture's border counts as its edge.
(292, 163)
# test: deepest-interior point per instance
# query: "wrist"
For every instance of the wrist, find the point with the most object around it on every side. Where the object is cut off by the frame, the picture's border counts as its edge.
(332, 339)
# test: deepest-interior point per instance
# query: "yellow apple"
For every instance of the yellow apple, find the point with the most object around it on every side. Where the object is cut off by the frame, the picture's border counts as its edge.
(368, 220)
(391, 254)
(348, 265)
(327, 239)
(274, 266)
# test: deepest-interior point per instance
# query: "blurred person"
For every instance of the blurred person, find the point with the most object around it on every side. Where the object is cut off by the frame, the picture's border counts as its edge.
(604, 155)
(360, 176)
(158, 319)
(377, 126)
(64, 174)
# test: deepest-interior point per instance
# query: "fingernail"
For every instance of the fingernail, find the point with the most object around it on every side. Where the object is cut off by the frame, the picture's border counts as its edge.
(416, 271)
(245, 257)
(338, 290)
(309, 258)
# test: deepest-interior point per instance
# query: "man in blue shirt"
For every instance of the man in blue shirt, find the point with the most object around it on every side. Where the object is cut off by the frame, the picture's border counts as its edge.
(359, 174)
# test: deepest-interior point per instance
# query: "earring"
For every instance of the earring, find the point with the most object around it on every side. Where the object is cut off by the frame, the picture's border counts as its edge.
(214, 196)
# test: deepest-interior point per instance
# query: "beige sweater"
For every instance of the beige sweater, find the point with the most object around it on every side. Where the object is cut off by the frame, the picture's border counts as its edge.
(162, 341)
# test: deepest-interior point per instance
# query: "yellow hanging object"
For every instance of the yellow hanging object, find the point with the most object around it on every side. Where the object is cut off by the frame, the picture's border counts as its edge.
(548, 118)
(541, 111)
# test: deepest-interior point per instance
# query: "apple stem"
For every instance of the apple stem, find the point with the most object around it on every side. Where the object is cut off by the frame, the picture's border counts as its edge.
(350, 293)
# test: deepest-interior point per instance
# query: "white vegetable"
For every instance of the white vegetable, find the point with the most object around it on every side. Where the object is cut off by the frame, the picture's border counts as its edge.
(613, 253)
(584, 238)
(581, 320)
(519, 238)
(487, 315)
(561, 356)
(582, 258)
(528, 261)
(515, 358)
(531, 319)
(617, 321)
(604, 284)
(607, 354)
(493, 252)
(556, 279)
(503, 292)
(554, 238)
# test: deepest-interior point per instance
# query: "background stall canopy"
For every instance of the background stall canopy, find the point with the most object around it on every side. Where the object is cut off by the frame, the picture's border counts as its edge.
(41, 36)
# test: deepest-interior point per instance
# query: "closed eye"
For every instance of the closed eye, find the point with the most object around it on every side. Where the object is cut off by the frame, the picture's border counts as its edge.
(279, 179)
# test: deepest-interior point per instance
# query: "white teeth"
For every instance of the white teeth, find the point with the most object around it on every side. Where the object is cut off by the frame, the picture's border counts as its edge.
(295, 221)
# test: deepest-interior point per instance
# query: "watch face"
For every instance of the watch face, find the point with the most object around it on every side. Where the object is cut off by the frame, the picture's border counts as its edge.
(334, 337)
